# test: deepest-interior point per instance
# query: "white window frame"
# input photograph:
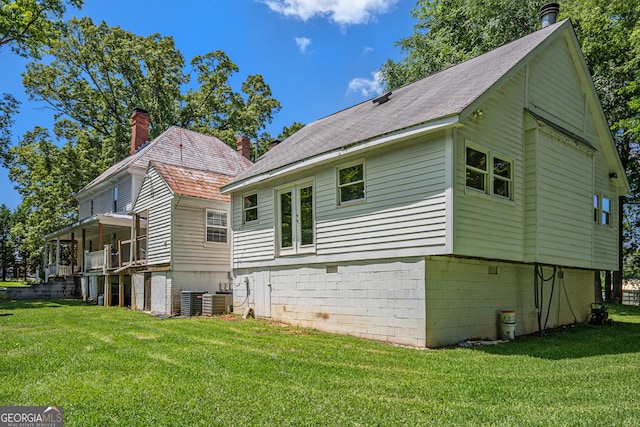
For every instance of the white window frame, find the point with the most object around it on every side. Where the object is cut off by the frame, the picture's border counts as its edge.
(601, 216)
(484, 173)
(224, 227)
(297, 247)
(490, 177)
(339, 186)
(245, 210)
(494, 176)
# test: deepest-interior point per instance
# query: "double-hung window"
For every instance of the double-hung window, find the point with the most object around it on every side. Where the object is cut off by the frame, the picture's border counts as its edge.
(351, 184)
(295, 219)
(488, 173)
(250, 208)
(216, 226)
(602, 208)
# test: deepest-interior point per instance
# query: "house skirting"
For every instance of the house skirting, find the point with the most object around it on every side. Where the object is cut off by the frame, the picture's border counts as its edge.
(421, 302)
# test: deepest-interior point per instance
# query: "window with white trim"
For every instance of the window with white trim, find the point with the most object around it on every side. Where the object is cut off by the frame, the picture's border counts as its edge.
(602, 208)
(250, 208)
(476, 169)
(488, 173)
(501, 177)
(296, 219)
(216, 226)
(351, 184)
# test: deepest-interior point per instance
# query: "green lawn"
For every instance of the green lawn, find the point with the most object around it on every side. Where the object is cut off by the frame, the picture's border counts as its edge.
(12, 283)
(115, 367)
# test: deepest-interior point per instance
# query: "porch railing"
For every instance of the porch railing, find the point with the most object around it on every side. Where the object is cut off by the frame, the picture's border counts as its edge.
(140, 252)
(94, 260)
(59, 270)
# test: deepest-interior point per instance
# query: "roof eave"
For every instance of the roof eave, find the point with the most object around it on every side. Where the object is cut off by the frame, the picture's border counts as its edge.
(361, 146)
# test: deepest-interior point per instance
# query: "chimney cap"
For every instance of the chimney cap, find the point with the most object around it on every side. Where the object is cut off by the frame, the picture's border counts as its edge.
(549, 13)
(140, 110)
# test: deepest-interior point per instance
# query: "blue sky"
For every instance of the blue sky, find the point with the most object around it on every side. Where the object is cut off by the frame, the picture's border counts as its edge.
(318, 56)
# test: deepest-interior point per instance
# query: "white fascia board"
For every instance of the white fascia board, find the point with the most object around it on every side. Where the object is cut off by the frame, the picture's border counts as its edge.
(397, 136)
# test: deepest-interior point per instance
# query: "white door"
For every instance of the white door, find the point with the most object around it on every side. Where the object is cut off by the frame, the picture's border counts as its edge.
(262, 294)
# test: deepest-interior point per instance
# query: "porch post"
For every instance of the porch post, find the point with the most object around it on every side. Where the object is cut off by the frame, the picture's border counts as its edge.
(45, 264)
(73, 251)
(107, 290)
(133, 248)
(84, 248)
(58, 255)
(121, 290)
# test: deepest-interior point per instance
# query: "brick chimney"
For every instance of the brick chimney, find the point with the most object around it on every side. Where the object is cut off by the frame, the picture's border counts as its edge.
(139, 129)
(243, 145)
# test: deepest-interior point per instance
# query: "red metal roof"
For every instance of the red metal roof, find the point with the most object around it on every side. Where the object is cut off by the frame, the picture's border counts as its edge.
(193, 182)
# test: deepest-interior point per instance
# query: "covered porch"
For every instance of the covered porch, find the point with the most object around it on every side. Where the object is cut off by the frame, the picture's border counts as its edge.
(102, 245)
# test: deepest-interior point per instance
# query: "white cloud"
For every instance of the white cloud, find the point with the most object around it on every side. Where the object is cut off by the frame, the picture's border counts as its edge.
(342, 12)
(367, 87)
(303, 43)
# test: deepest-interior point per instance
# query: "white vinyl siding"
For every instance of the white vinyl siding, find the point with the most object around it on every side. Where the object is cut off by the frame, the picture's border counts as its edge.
(560, 213)
(404, 211)
(155, 198)
(488, 225)
(103, 201)
(555, 91)
(190, 251)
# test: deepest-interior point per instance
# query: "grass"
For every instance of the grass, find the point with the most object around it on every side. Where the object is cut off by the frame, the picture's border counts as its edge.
(9, 283)
(115, 367)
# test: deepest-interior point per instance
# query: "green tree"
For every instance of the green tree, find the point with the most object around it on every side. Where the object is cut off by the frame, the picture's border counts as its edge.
(8, 108)
(93, 78)
(46, 178)
(27, 25)
(7, 251)
(99, 74)
(450, 31)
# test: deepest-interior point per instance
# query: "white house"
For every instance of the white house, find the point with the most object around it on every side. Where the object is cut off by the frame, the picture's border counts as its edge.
(417, 218)
(155, 223)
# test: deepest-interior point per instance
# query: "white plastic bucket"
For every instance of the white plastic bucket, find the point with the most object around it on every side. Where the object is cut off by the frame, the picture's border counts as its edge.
(508, 324)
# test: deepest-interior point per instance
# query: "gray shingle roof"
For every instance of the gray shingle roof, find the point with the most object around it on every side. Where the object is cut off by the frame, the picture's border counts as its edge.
(182, 147)
(443, 94)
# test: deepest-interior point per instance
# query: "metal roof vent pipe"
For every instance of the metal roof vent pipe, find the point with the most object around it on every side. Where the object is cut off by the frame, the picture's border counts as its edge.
(549, 14)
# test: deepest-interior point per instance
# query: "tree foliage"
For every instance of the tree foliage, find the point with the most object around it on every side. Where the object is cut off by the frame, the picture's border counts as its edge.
(8, 108)
(93, 77)
(7, 251)
(27, 25)
(451, 31)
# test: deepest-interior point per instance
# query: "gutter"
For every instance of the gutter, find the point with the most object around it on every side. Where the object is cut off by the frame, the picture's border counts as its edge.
(422, 129)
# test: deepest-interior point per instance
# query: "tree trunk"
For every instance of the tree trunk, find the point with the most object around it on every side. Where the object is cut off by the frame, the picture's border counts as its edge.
(608, 286)
(597, 286)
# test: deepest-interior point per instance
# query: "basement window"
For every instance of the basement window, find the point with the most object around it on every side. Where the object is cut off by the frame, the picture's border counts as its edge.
(216, 226)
